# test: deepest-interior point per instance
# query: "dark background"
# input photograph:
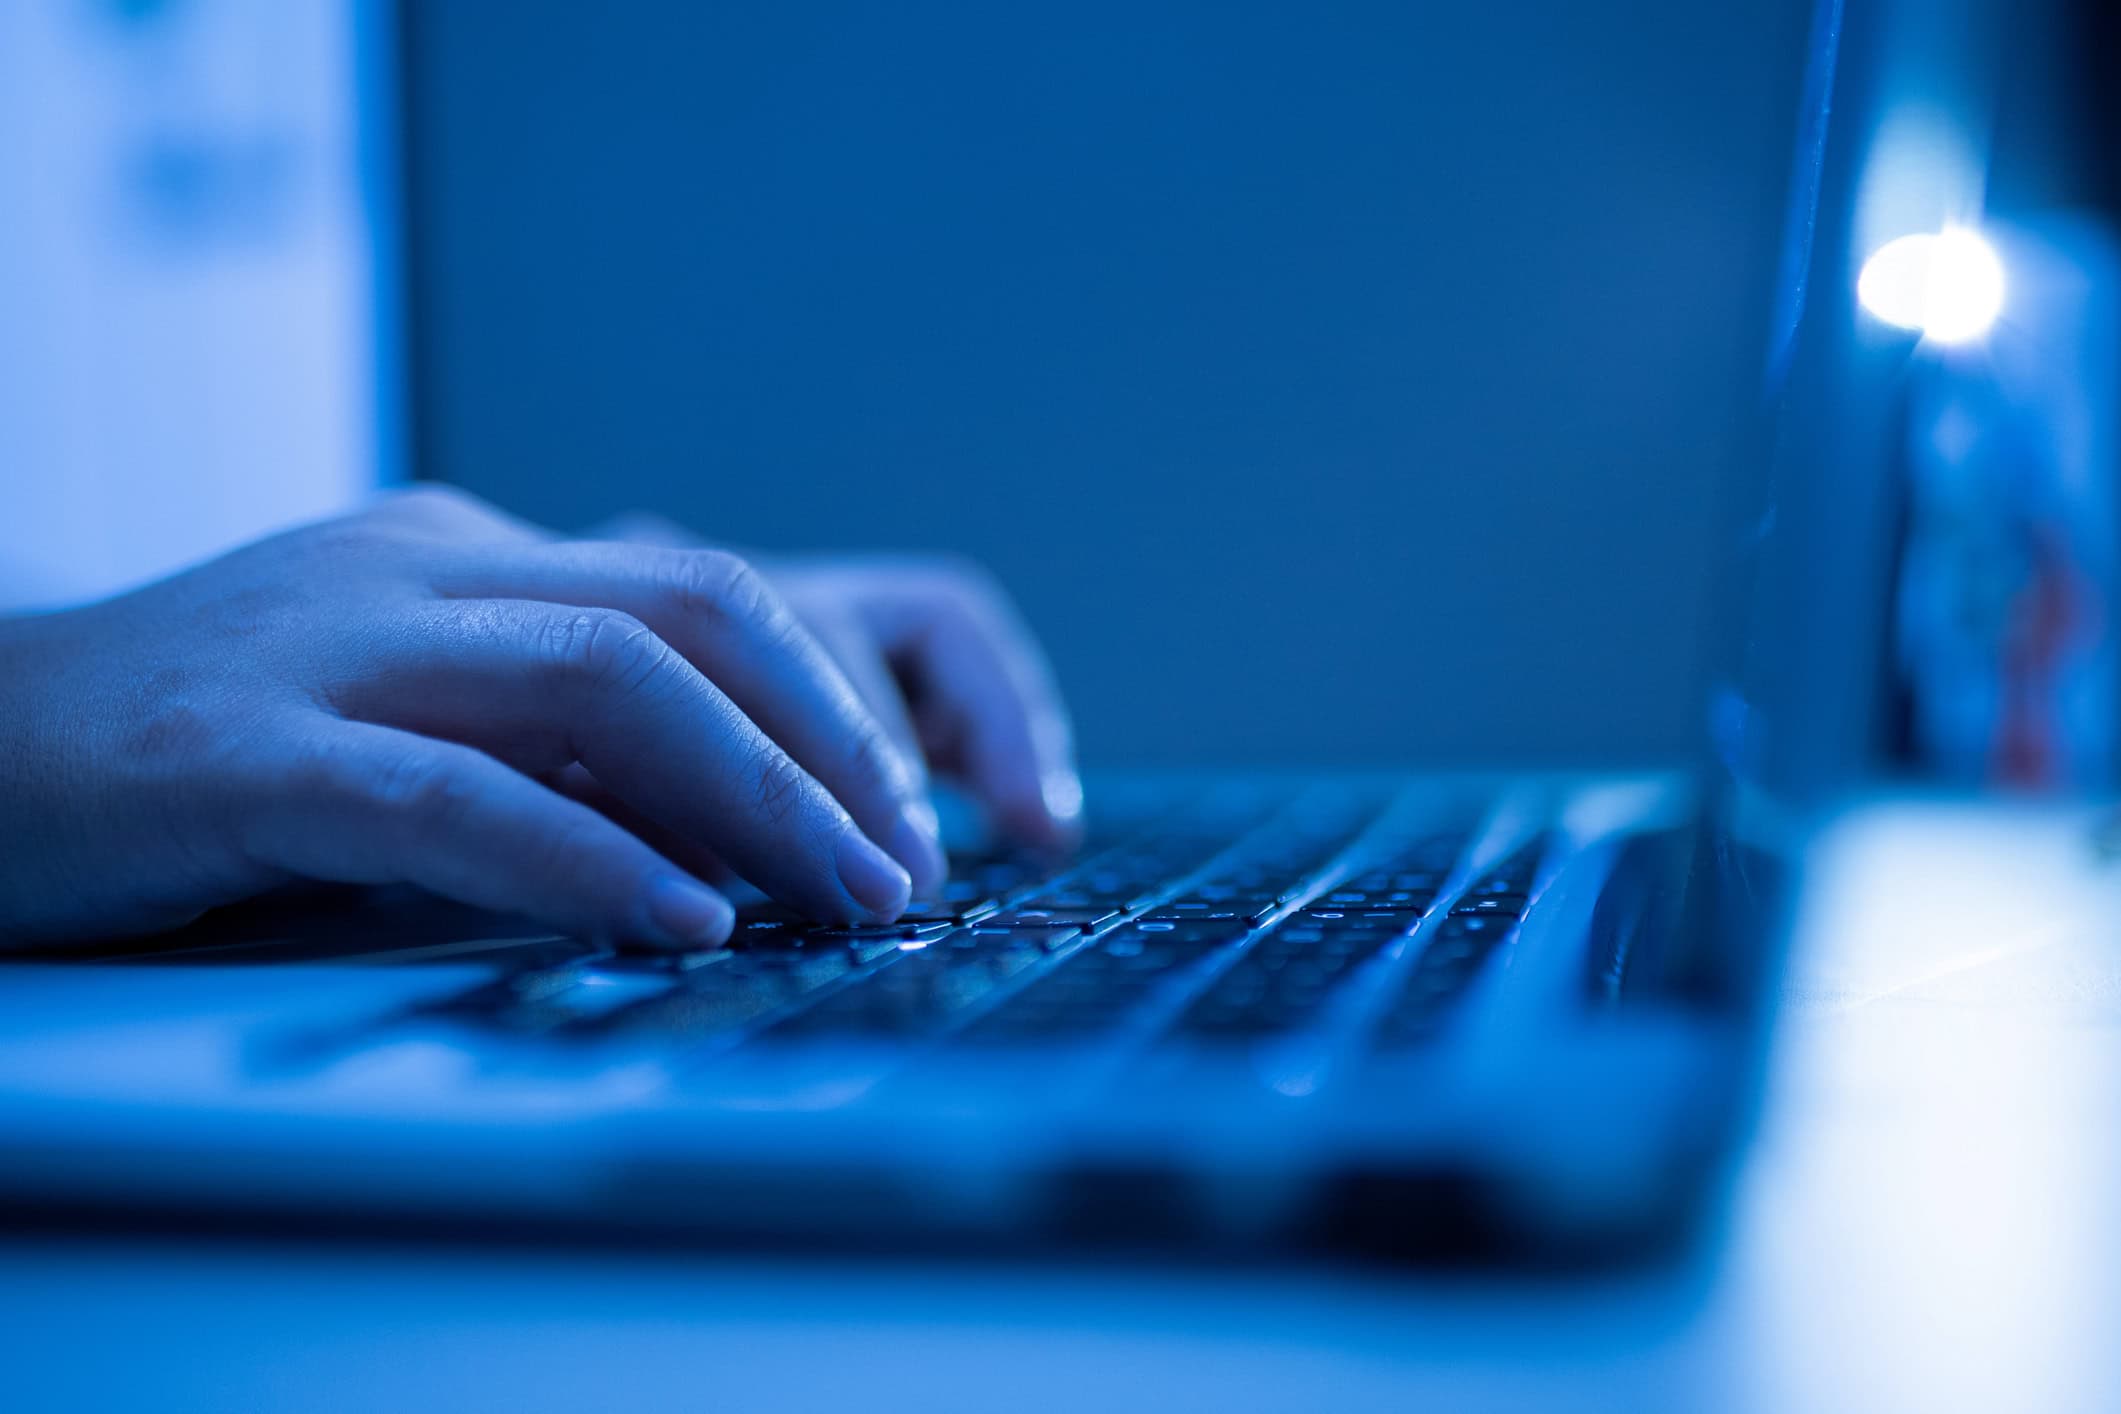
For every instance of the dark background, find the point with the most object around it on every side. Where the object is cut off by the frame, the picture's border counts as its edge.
(1331, 382)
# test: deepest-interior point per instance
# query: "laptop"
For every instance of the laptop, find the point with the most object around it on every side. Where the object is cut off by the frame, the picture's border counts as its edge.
(1424, 1015)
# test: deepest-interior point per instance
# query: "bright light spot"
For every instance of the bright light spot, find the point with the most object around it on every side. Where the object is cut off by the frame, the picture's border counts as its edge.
(1950, 285)
(913, 945)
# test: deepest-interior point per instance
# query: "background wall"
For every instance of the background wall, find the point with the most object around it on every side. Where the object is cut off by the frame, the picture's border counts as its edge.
(1331, 382)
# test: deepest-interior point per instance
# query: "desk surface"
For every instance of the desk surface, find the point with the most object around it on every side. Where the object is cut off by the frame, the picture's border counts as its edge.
(1927, 1220)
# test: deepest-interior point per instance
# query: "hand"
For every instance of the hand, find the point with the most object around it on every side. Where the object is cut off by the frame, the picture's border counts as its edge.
(942, 659)
(431, 693)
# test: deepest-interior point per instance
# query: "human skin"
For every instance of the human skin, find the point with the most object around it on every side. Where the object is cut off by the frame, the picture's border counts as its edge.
(593, 732)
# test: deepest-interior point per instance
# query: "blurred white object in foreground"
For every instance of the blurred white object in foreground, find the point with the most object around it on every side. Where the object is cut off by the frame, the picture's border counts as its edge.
(188, 293)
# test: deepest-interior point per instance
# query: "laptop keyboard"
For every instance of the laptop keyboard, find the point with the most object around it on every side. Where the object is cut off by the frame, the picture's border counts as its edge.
(1238, 919)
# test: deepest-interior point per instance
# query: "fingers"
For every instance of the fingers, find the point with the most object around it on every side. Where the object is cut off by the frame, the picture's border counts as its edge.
(724, 619)
(697, 860)
(856, 652)
(863, 662)
(544, 686)
(367, 804)
(982, 690)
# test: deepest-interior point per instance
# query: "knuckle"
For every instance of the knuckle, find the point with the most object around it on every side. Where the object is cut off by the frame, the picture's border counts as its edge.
(966, 597)
(777, 789)
(604, 651)
(711, 583)
(784, 635)
(416, 787)
(966, 575)
(873, 756)
(721, 588)
(965, 617)
(422, 514)
(348, 537)
(381, 532)
(434, 499)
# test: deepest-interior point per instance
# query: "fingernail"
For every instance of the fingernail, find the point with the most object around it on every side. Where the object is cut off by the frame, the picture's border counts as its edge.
(870, 877)
(1062, 791)
(689, 914)
(917, 843)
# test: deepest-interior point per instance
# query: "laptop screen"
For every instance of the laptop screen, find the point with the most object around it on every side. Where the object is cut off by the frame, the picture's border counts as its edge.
(1797, 667)
(1797, 695)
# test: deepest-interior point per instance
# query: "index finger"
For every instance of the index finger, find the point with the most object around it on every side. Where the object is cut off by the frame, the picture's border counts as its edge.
(713, 608)
(984, 687)
(543, 685)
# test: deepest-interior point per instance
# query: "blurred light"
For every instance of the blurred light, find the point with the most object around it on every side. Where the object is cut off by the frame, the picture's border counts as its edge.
(1949, 285)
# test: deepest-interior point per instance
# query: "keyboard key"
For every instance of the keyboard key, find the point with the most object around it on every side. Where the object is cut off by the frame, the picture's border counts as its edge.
(1084, 919)
(899, 928)
(762, 938)
(1502, 905)
(925, 993)
(1180, 934)
(1232, 906)
(775, 926)
(1050, 938)
(1398, 919)
(922, 914)
(1286, 980)
(1385, 880)
(1093, 991)
(1513, 875)
(1069, 898)
(1373, 900)
(1440, 977)
(747, 988)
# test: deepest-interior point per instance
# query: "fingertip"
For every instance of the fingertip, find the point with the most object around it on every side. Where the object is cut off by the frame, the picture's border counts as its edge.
(876, 883)
(687, 914)
(917, 843)
(1061, 793)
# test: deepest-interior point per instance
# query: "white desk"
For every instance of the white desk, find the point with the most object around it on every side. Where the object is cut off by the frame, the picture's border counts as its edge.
(1927, 1222)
